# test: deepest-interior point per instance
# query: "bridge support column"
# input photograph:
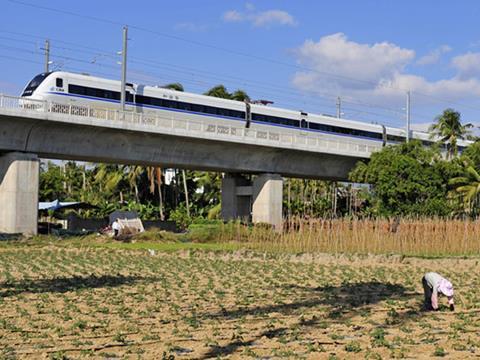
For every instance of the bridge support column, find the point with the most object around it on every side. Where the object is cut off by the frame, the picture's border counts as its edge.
(236, 197)
(267, 200)
(19, 176)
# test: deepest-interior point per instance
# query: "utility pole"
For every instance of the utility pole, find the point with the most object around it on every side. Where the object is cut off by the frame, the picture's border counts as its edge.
(408, 117)
(339, 107)
(124, 68)
(47, 55)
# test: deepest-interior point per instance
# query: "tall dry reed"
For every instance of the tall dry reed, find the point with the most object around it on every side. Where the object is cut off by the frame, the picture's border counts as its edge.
(421, 237)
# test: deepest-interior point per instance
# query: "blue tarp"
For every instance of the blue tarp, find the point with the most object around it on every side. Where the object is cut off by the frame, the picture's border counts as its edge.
(55, 205)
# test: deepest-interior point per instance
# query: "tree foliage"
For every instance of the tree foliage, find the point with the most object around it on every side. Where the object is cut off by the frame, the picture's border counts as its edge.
(448, 129)
(221, 91)
(407, 179)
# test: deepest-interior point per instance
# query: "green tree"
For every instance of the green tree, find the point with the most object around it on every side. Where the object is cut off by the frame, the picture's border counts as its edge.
(471, 155)
(219, 91)
(468, 187)
(51, 182)
(407, 179)
(239, 95)
(174, 86)
(449, 129)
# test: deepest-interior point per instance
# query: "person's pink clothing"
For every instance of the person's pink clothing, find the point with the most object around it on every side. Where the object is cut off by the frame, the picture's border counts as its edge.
(439, 284)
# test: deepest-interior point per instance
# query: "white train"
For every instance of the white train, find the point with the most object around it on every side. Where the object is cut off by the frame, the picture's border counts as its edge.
(93, 91)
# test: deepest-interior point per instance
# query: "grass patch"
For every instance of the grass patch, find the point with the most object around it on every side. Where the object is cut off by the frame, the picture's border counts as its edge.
(170, 247)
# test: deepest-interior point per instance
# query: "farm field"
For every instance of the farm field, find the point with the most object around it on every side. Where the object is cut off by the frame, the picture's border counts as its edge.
(73, 302)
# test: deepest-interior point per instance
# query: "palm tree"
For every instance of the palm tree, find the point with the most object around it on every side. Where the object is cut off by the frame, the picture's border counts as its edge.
(185, 189)
(239, 95)
(174, 86)
(134, 173)
(155, 176)
(219, 91)
(448, 129)
(468, 186)
(108, 177)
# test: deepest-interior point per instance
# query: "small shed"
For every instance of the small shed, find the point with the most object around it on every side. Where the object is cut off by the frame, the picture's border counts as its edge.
(123, 215)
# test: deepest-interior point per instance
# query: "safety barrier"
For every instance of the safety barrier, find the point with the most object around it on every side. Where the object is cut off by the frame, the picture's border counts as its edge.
(177, 124)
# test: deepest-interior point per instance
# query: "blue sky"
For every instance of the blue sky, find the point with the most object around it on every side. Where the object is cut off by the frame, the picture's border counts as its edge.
(300, 54)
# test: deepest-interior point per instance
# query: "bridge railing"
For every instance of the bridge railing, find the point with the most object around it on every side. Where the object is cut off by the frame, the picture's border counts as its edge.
(208, 129)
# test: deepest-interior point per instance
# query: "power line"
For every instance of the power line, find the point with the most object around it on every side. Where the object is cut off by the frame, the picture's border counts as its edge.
(201, 44)
(238, 53)
(276, 88)
(222, 77)
(385, 119)
(333, 96)
(354, 111)
(145, 62)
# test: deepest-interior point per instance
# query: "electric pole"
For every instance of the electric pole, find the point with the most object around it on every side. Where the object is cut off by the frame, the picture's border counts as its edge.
(124, 68)
(408, 117)
(339, 107)
(47, 55)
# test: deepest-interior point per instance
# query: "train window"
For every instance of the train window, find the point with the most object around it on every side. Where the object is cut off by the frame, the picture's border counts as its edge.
(32, 85)
(304, 124)
(75, 89)
(59, 82)
(342, 130)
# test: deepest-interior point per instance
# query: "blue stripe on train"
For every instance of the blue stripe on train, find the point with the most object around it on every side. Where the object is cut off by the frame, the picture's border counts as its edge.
(212, 115)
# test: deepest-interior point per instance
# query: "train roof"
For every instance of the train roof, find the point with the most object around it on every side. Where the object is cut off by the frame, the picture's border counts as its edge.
(269, 110)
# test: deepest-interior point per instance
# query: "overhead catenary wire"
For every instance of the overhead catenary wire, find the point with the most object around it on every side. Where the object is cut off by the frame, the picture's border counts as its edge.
(222, 77)
(332, 95)
(234, 52)
(91, 50)
(276, 88)
(354, 111)
(384, 120)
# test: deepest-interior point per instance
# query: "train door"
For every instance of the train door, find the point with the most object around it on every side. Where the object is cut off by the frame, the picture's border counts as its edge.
(248, 114)
(129, 97)
(304, 123)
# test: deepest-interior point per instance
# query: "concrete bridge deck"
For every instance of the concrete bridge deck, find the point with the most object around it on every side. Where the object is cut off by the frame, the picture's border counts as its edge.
(73, 132)
(66, 131)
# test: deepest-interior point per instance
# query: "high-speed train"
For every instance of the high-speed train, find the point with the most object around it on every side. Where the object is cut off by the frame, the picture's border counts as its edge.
(86, 90)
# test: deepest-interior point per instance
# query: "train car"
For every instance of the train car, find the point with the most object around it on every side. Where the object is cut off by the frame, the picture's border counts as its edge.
(85, 90)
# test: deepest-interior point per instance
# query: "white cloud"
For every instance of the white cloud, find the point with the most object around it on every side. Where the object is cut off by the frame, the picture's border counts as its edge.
(337, 65)
(233, 16)
(271, 17)
(260, 18)
(336, 54)
(467, 65)
(434, 56)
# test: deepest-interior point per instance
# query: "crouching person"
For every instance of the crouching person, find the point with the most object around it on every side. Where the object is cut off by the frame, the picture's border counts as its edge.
(433, 285)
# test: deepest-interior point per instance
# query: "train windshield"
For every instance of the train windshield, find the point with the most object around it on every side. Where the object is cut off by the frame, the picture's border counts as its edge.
(35, 83)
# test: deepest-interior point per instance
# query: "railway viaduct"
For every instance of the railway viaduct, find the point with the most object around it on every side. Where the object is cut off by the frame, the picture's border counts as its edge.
(30, 130)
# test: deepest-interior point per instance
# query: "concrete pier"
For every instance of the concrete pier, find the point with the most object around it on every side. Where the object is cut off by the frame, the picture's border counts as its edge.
(19, 176)
(236, 197)
(260, 202)
(267, 200)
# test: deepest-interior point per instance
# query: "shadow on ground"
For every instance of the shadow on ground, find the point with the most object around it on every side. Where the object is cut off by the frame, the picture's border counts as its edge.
(6, 237)
(338, 302)
(64, 284)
